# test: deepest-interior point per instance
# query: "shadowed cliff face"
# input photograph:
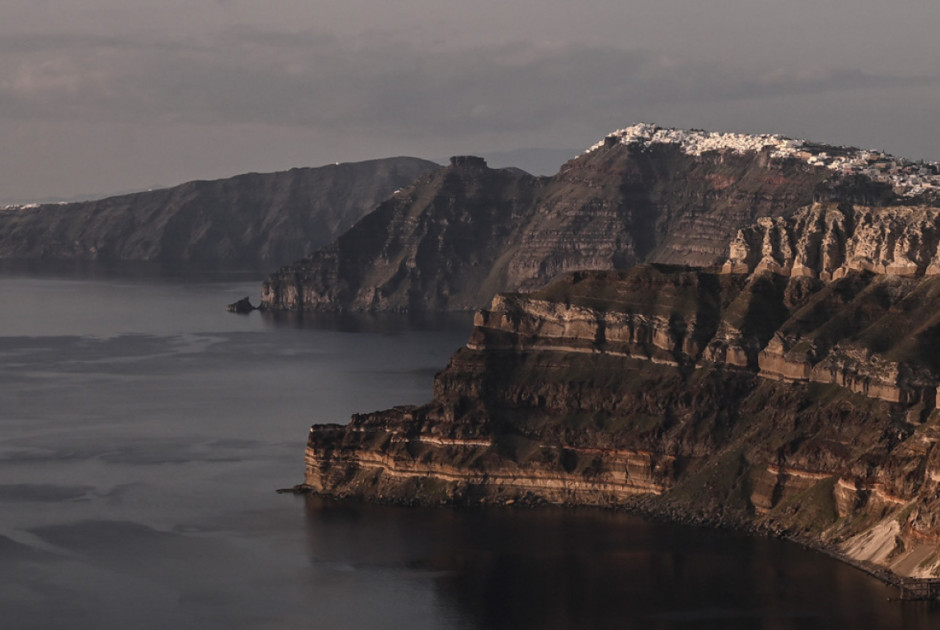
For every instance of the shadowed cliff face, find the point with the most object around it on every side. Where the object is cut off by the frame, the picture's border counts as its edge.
(459, 236)
(805, 407)
(249, 219)
(428, 247)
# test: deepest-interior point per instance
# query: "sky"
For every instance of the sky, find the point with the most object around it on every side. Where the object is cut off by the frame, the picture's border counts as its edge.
(105, 96)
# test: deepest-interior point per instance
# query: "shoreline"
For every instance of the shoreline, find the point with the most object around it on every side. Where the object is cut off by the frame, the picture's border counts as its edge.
(669, 514)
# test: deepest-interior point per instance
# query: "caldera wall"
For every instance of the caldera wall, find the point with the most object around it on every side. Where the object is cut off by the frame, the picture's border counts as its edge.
(679, 391)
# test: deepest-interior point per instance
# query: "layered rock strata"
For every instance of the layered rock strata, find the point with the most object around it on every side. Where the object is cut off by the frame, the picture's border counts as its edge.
(780, 401)
(457, 237)
(429, 246)
(829, 240)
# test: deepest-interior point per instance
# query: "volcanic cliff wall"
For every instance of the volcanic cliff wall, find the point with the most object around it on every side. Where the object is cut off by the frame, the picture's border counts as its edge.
(250, 219)
(828, 240)
(803, 403)
(457, 237)
(429, 246)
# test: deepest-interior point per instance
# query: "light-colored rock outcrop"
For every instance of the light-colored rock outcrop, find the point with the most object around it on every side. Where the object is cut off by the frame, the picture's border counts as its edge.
(828, 240)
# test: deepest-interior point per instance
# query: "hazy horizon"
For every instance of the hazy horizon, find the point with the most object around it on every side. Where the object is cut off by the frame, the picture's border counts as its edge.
(114, 96)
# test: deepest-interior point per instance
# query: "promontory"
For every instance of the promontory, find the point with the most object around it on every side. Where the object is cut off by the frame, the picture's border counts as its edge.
(789, 384)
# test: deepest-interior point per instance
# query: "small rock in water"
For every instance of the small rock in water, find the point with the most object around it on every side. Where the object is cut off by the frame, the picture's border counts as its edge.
(242, 306)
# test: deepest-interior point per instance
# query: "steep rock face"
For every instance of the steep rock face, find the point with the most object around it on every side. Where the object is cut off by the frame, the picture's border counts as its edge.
(622, 204)
(828, 240)
(249, 219)
(616, 205)
(428, 246)
(782, 401)
(644, 193)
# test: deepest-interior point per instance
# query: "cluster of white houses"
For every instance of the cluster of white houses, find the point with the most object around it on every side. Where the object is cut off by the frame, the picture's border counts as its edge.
(908, 178)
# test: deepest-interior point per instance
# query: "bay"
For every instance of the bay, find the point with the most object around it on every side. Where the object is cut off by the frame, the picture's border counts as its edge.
(144, 429)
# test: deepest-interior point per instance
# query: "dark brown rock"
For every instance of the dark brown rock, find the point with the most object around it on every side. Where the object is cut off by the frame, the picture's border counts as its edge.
(616, 389)
(251, 219)
(242, 306)
(457, 237)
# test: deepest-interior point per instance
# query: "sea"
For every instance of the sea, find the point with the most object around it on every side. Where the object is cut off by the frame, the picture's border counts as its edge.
(144, 431)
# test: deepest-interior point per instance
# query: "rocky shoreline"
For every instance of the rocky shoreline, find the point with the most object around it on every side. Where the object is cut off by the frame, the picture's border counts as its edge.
(643, 507)
(649, 389)
(790, 390)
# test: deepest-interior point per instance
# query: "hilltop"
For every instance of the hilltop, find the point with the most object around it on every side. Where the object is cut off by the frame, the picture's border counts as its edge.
(906, 177)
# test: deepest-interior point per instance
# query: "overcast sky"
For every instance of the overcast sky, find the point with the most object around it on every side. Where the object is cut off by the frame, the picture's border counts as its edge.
(100, 96)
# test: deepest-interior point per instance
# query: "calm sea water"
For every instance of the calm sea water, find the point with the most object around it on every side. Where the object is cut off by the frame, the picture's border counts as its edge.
(143, 431)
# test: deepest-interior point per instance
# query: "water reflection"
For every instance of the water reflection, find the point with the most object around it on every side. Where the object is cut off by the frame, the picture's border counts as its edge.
(551, 568)
(378, 323)
(139, 271)
(143, 430)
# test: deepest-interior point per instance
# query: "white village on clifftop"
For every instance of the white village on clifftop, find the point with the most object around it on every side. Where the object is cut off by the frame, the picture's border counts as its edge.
(909, 179)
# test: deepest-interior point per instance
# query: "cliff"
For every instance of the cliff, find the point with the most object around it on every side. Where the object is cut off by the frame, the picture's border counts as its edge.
(828, 240)
(253, 219)
(459, 236)
(429, 245)
(788, 402)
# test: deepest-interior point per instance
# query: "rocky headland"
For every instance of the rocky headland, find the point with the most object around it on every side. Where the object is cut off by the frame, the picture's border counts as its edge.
(792, 389)
(253, 219)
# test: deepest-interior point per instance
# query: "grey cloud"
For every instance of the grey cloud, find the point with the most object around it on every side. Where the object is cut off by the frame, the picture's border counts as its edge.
(318, 80)
(818, 81)
(49, 493)
(51, 42)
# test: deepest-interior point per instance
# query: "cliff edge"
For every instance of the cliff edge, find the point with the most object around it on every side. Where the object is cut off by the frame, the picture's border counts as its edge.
(767, 396)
